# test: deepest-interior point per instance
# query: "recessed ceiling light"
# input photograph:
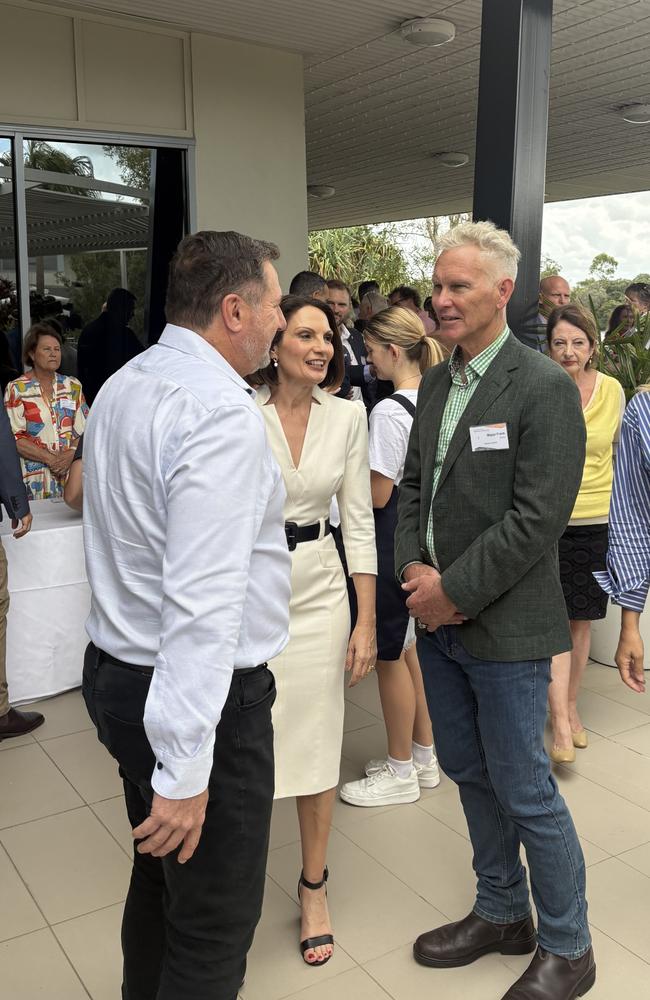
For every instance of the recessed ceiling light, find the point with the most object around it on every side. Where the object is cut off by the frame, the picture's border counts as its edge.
(321, 190)
(451, 159)
(427, 31)
(635, 114)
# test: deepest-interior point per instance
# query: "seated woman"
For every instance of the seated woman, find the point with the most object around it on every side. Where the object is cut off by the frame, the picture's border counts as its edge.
(321, 445)
(47, 412)
(400, 352)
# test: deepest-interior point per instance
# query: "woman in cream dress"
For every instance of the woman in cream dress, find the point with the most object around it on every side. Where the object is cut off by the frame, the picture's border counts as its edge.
(321, 445)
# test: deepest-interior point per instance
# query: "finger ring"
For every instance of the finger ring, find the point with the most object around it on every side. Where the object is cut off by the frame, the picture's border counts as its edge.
(371, 666)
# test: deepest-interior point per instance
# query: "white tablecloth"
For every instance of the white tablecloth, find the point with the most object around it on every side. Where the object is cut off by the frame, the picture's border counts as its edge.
(50, 602)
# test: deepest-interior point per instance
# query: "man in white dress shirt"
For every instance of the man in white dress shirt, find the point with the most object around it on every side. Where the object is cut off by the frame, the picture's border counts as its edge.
(190, 576)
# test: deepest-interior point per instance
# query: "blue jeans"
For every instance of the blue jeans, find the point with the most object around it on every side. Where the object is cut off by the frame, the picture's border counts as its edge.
(488, 723)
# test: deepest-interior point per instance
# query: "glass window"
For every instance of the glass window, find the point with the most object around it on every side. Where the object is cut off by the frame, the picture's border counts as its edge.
(88, 225)
(10, 334)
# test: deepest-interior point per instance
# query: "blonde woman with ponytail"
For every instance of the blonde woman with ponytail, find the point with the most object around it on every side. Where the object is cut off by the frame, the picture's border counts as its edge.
(400, 352)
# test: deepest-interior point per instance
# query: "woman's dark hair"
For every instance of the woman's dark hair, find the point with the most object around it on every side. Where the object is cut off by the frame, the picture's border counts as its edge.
(405, 293)
(576, 316)
(32, 338)
(290, 305)
(640, 290)
(617, 319)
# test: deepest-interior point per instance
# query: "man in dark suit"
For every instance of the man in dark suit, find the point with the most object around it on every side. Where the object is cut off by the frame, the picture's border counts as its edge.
(340, 302)
(493, 467)
(14, 498)
(107, 343)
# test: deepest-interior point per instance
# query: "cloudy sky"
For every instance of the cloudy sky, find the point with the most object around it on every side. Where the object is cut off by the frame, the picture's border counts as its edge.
(575, 231)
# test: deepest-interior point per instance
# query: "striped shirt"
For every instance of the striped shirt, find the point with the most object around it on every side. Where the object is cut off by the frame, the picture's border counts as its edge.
(464, 383)
(628, 558)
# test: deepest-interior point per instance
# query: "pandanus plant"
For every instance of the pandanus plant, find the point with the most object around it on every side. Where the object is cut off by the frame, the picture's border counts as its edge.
(624, 353)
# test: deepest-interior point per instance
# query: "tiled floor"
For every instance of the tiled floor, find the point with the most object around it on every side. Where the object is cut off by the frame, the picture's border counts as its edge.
(64, 867)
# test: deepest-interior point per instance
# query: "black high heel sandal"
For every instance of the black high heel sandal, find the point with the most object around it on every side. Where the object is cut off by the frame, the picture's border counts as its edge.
(310, 943)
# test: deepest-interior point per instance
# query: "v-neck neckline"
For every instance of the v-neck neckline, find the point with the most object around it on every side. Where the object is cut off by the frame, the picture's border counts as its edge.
(593, 392)
(296, 468)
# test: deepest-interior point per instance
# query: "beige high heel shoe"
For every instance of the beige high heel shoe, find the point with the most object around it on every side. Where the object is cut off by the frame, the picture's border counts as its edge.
(562, 755)
(580, 739)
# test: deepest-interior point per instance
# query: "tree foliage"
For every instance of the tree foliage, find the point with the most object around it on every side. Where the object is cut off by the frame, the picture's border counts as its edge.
(549, 267)
(133, 163)
(40, 155)
(96, 274)
(357, 253)
(603, 267)
(424, 251)
(626, 356)
(393, 254)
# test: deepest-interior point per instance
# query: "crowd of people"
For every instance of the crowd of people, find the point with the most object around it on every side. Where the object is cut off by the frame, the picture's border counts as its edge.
(316, 490)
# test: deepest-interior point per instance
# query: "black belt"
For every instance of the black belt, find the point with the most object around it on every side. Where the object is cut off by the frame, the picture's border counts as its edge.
(308, 533)
(139, 668)
(143, 668)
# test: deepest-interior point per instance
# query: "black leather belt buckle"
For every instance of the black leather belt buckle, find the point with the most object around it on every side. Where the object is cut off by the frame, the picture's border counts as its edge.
(291, 531)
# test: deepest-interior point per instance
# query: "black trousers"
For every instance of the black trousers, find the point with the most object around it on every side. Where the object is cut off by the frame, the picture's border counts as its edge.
(187, 928)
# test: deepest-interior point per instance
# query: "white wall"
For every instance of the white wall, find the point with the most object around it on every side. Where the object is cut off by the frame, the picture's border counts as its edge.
(250, 144)
(67, 69)
(243, 105)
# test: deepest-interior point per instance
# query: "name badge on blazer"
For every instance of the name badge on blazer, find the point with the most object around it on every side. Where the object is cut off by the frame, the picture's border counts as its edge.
(489, 437)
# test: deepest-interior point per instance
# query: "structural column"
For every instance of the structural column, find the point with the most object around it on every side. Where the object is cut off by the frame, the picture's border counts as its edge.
(512, 125)
(168, 223)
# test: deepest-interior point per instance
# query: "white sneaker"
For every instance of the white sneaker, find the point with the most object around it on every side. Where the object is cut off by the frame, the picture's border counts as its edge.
(428, 774)
(383, 788)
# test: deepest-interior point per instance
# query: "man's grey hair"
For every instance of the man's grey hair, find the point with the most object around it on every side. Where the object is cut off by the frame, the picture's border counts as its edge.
(496, 244)
(209, 265)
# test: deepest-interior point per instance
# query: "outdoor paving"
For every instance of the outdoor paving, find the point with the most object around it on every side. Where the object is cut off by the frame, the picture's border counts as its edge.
(395, 872)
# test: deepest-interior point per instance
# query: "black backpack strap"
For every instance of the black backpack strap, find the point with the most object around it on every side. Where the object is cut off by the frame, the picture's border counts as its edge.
(405, 402)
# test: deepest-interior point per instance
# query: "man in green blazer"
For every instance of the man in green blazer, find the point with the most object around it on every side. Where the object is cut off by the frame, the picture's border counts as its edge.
(493, 468)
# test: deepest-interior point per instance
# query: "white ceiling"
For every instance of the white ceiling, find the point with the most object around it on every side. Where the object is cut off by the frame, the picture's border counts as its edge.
(377, 107)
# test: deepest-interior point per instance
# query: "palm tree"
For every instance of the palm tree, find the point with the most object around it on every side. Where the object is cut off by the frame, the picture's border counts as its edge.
(40, 155)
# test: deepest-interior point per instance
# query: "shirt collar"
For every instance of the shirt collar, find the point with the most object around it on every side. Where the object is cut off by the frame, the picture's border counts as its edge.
(478, 366)
(182, 339)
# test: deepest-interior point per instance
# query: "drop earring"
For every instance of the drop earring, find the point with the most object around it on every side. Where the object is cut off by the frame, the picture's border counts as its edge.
(274, 361)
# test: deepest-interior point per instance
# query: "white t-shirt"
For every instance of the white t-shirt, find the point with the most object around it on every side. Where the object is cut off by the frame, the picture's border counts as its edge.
(390, 426)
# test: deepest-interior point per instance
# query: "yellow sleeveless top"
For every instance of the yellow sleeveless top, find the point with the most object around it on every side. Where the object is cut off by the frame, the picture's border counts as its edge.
(603, 414)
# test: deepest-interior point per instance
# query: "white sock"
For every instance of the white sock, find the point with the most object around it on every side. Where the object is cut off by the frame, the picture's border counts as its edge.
(422, 755)
(402, 768)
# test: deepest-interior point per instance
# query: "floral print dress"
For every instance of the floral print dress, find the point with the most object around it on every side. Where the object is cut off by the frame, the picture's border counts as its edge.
(53, 424)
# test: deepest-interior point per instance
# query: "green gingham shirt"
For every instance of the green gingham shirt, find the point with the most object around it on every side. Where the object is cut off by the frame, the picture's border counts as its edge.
(463, 386)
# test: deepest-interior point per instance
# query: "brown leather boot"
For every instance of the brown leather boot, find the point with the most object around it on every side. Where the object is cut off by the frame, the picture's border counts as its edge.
(550, 977)
(464, 941)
